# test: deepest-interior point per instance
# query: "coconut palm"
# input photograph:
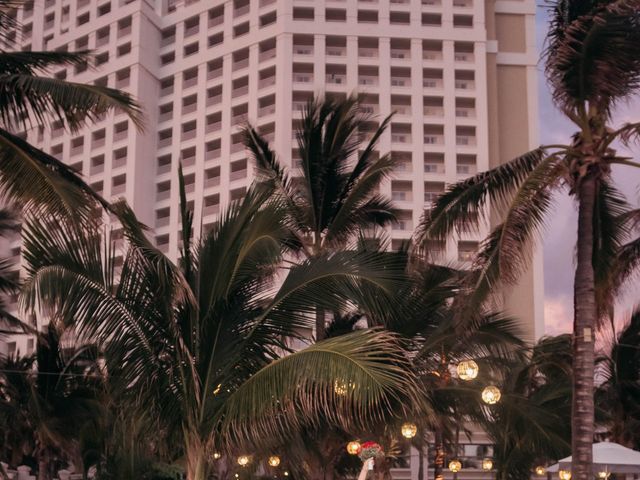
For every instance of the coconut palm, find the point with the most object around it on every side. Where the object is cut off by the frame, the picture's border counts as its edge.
(336, 196)
(30, 96)
(202, 343)
(619, 394)
(592, 64)
(531, 425)
(46, 399)
(9, 324)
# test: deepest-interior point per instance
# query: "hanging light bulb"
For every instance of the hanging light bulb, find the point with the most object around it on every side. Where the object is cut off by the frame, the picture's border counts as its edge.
(354, 448)
(564, 474)
(467, 370)
(274, 461)
(455, 466)
(603, 475)
(243, 460)
(487, 464)
(491, 395)
(216, 455)
(540, 470)
(409, 430)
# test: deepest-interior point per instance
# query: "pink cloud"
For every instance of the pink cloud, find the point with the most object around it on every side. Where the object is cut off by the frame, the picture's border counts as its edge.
(558, 314)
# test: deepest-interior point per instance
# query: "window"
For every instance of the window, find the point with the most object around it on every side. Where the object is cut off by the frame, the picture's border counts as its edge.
(190, 78)
(124, 27)
(124, 49)
(83, 19)
(399, 18)
(300, 13)
(214, 69)
(168, 36)
(367, 16)
(241, 29)
(268, 19)
(191, 26)
(431, 19)
(335, 15)
(216, 39)
(104, 9)
(191, 49)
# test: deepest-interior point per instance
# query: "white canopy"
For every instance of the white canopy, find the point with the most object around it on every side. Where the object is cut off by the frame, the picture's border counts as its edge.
(608, 456)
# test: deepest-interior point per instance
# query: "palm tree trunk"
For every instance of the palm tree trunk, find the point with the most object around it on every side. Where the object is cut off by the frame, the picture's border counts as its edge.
(438, 462)
(196, 461)
(421, 462)
(585, 316)
(43, 465)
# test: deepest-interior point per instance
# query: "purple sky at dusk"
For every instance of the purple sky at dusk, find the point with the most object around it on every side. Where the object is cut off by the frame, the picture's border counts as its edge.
(560, 233)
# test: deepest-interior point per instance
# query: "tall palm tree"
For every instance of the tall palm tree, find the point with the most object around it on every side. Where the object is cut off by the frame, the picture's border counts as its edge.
(29, 96)
(592, 64)
(46, 399)
(9, 324)
(202, 343)
(336, 196)
(618, 396)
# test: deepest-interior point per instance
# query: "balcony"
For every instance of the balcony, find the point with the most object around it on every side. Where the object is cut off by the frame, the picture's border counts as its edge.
(466, 169)
(266, 82)
(433, 139)
(433, 167)
(433, 111)
(465, 84)
(212, 182)
(240, 64)
(211, 210)
(401, 138)
(336, 79)
(336, 51)
(238, 174)
(368, 80)
(464, 57)
(240, 91)
(465, 140)
(267, 55)
(401, 54)
(400, 82)
(368, 52)
(432, 83)
(305, 50)
(266, 110)
(465, 112)
(401, 109)
(302, 78)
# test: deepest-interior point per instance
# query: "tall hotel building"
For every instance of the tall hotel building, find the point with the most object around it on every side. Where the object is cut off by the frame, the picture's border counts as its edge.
(460, 75)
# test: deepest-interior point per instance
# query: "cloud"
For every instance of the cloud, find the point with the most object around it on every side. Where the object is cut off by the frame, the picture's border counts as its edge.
(558, 314)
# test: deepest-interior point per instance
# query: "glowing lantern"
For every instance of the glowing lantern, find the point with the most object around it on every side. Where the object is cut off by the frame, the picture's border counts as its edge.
(409, 430)
(540, 470)
(487, 464)
(564, 475)
(455, 466)
(467, 370)
(286, 474)
(274, 461)
(353, 448)
(243, 460)
(603, 475)
(216, 455)
(491, 395)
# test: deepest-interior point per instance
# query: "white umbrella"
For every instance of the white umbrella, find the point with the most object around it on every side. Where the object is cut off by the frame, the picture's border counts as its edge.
(607, 456)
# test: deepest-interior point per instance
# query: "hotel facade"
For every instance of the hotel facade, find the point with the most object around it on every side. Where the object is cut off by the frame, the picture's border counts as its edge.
(460, 75)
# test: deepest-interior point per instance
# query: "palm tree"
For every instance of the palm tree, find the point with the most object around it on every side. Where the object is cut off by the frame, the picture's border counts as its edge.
(336, 197)
(46, 399)
(618, 396)
(30, 96)
(532, 423)
(9, 324)
(201, 344)
(592, 64)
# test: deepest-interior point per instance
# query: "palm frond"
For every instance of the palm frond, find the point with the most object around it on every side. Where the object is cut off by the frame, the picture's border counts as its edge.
(37, 180)
(592, 53)
(302, 385)
(25, 96)
(465, 204)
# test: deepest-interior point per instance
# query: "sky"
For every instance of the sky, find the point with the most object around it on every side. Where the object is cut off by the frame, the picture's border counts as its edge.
(560, 232)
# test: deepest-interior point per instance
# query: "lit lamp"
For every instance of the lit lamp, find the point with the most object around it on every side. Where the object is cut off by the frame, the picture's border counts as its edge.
(487, 464)
(243, 460)
(409, 430)
(274, 461)
(467, 370)
(603, 475)
(491, 395)
(540, 470)
(216, 455)
(455, 466)
(564, 474)
(353, 448)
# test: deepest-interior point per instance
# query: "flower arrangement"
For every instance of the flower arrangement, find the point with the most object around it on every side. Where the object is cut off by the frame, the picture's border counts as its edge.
(370, 450)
